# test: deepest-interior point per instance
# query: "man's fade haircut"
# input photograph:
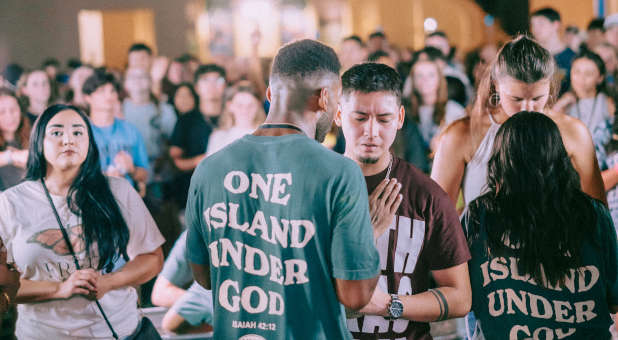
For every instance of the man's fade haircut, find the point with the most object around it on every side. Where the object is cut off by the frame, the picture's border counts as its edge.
(209, 68)
(355, 38)
(372, 77)
(140, 47)
(547, 12)
(302, 60)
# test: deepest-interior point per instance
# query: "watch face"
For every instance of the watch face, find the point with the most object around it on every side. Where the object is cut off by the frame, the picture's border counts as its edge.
(396, 308)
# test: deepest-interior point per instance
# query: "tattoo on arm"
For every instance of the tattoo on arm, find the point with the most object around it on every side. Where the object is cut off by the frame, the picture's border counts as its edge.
(442, 303)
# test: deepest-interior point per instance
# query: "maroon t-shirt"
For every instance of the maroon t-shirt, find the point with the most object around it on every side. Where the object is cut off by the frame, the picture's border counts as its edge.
(425, 235)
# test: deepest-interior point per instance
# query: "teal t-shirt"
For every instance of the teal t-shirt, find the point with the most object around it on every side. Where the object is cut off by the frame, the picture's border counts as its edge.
(277, 219)
(510, 305)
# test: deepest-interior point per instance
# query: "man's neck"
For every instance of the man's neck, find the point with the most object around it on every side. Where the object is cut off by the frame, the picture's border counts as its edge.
(210, 108)
(555, 45)
(370, 169)
(139, 100)
(280, 113)
(102, 118)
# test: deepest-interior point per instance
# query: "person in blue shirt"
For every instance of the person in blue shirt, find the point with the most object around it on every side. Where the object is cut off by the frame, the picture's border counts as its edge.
(121, 146)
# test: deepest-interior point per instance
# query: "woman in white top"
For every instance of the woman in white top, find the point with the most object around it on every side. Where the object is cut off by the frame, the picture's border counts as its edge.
(521, 78)
(242, 115)
(430, 108)
(588, 99)
(116, 243)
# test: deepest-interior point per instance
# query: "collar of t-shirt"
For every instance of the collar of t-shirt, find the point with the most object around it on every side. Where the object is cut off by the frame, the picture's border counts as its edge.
(373, 180)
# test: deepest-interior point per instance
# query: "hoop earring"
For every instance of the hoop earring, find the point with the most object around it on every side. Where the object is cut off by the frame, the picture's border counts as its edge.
(494, 99)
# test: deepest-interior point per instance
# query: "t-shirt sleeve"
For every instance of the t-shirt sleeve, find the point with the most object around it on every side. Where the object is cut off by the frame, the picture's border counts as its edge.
(140, 156)
(178, 135)
(608, 234)
(447, 244)
(144, 235)
(353, 252)
(168, 119)
(195, 306)
(7, 216)
(176, 268)
(197, 252)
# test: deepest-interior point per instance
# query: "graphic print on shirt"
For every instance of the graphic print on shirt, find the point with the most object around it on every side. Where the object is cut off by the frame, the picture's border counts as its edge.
(240, 256)
(52, 239)
(406, 237)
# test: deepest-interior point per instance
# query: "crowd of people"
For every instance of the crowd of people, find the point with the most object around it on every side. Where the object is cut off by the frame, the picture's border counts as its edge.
(483, 187)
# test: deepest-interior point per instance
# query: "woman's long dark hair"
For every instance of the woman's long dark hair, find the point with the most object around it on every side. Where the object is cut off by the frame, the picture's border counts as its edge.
(535, 206)
(89, 197)
(599, 63)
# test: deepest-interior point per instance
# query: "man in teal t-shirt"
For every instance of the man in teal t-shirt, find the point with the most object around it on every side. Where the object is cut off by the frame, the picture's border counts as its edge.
(279, 226)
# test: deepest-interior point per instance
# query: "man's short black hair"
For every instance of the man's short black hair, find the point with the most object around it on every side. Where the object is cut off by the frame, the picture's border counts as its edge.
(432, 53)
(304, 58)
(354, 38)
(596, 24)
(140, 47)
(373, 57)
(377, 34)
(372, 77)
(99, 78)
(437, 34)
(547, 12)
(50, 62)
(209, 68)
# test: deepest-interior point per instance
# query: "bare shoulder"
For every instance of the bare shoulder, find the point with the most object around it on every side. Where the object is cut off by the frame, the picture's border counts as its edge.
(457, 132)
(571, 129)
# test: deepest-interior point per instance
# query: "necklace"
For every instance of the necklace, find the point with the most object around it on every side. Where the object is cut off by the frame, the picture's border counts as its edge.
(280, 126)
(579, 114)
(390, 165)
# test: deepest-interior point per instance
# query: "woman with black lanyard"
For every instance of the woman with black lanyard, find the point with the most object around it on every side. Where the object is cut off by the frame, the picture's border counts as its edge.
(588, 99)
(81, 241)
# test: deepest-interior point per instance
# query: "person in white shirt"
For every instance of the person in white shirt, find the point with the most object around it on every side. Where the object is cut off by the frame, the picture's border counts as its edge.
(111, 245)
(242, 115)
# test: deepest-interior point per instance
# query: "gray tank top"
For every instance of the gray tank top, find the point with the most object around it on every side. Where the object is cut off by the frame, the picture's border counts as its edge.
(475, 174)
(591, 111)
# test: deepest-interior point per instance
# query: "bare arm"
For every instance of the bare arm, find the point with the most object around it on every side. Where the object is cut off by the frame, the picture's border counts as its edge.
(81, 282)
(355, 294)
(182, 163)
(172, 322)
(585, 161)
(135, 272)
(610, 178)
(449, 162)
(453, 294)
(201, 274)
(165, 293)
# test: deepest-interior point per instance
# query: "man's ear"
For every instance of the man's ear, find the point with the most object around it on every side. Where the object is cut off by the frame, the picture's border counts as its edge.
(338, 118)
(268, 94)
(323, 99)
(400, 117)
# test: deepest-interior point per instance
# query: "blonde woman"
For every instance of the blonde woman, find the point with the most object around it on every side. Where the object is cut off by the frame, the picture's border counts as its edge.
(242, 115)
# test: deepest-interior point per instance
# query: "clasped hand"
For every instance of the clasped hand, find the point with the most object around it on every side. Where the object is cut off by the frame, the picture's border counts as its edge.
(87, 282)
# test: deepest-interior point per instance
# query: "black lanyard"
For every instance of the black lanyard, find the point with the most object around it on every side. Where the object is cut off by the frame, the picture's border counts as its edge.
(281, 126)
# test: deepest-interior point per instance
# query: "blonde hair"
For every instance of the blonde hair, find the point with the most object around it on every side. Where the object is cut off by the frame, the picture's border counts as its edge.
(227, 118)
(439, 110)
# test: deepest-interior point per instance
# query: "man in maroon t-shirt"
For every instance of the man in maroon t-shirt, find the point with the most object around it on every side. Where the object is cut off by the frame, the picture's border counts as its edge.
(417, 230)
